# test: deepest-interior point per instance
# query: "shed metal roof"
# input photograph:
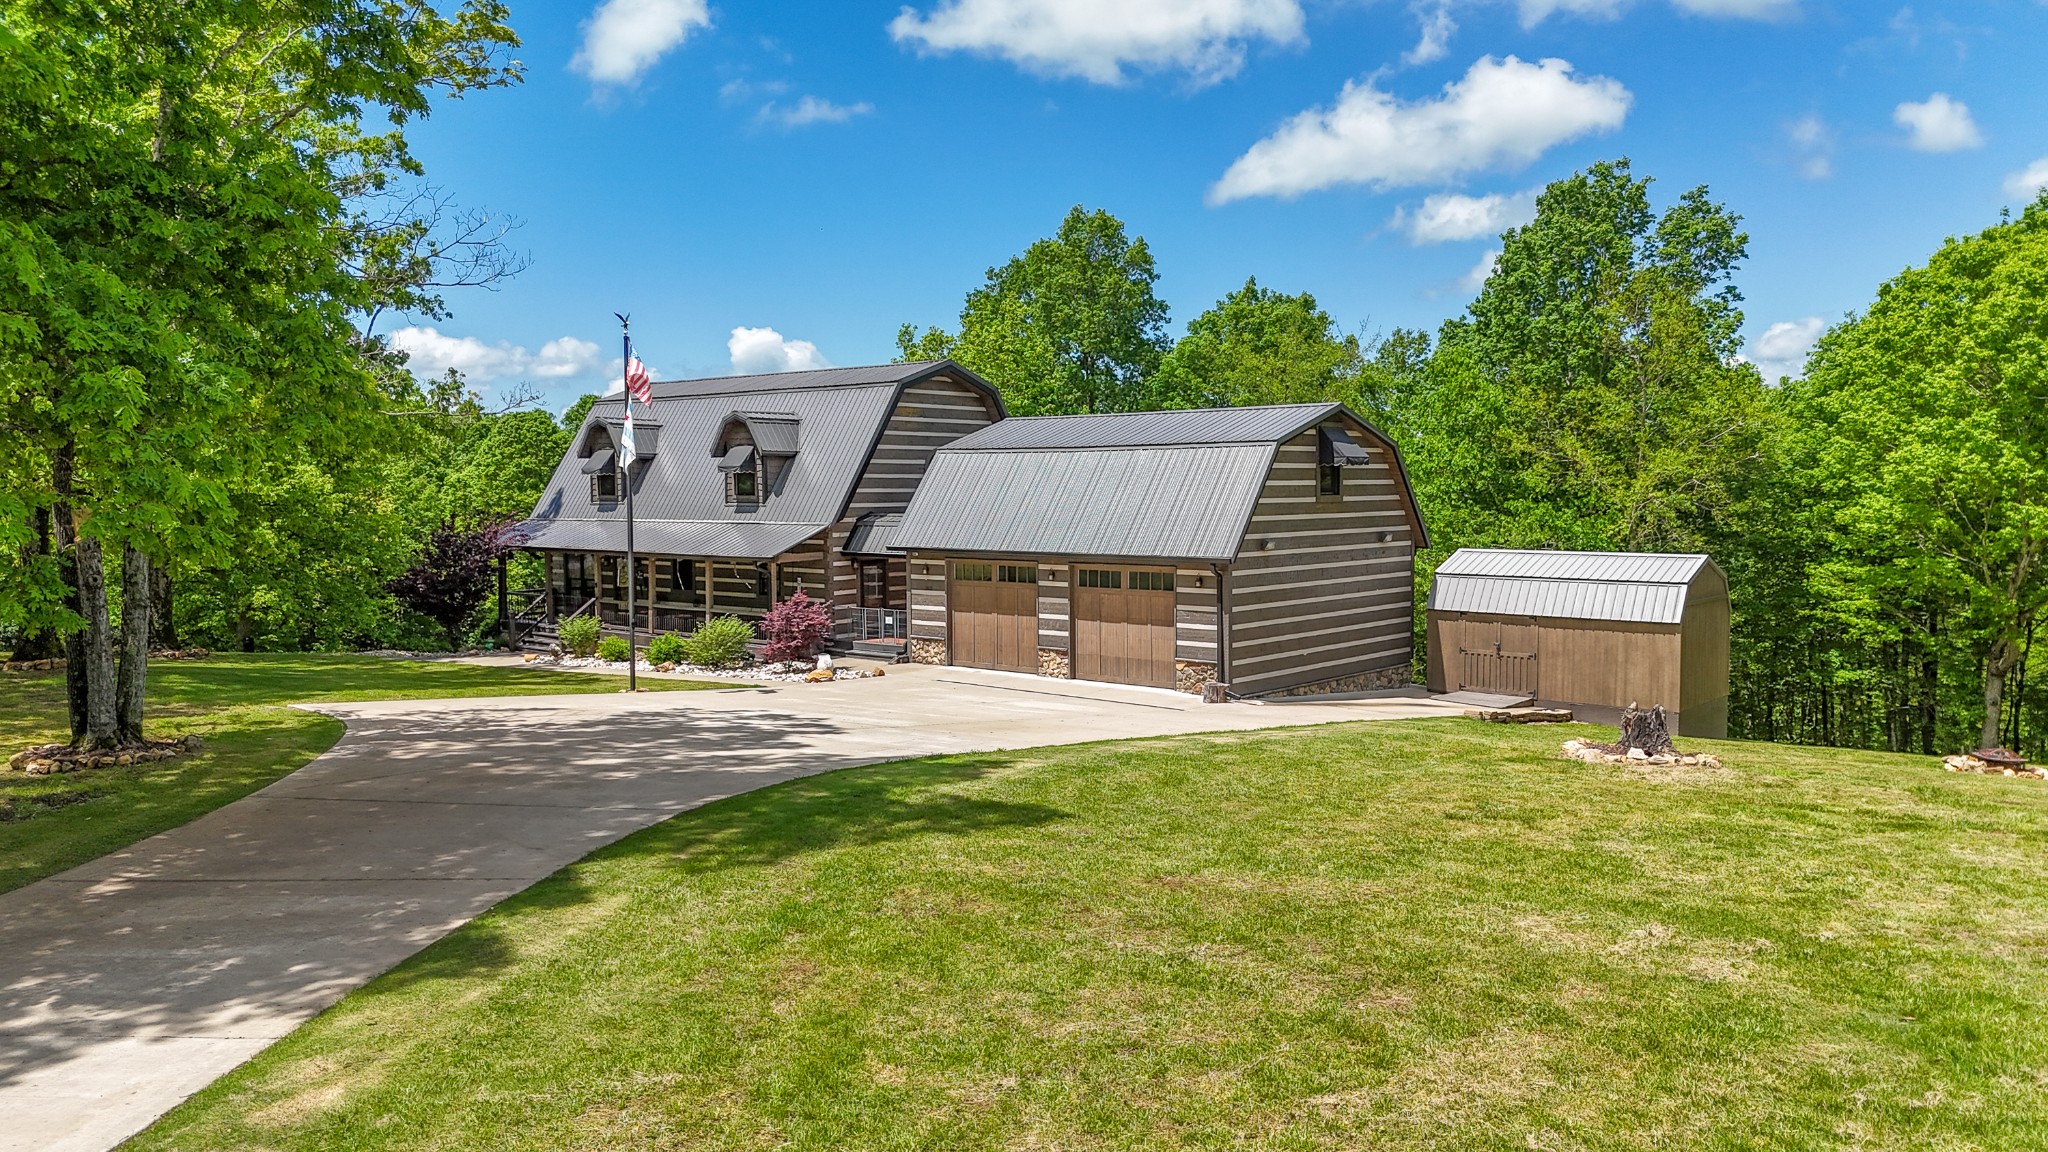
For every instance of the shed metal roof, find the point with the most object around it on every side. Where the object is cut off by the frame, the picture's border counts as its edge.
(1638, 587)
(842, 413)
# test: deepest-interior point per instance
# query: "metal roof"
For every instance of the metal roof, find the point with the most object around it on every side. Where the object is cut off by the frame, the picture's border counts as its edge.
(1640, 587)
(1168, 502)
(774, 433)
(672, 537)
(842, 410)
(874, 535)
(814, 378)
(1266, 424)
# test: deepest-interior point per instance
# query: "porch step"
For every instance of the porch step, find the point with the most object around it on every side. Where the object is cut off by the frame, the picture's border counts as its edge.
(877, 649)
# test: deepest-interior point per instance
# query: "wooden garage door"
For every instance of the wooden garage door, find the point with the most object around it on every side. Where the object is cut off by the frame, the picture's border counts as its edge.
(995, 615)
(1493, 656)
(1123, 625)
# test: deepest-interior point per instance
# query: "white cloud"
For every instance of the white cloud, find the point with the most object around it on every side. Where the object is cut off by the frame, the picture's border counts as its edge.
(1743, 9)
(2028, 182)
(764, 350)
(430, 353)
(1097, 39)
(624, 38)
(812, 110)
(1534, 12)
(1781, 350)
(1938, 124)
(1815, 142)
(1437, 28)
(1474, 280)
(1449, 216)
(1502, 114)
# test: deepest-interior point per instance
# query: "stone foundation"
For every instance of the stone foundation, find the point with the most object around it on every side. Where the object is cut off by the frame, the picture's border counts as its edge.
(927, 651)
(1377, 680)
(1189, 676)
(1053, 662)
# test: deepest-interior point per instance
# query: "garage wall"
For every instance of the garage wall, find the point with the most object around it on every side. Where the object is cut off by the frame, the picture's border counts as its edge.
(1329, 599)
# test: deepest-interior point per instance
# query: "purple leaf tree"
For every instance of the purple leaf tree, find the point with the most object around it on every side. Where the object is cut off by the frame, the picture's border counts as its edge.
(454, 572)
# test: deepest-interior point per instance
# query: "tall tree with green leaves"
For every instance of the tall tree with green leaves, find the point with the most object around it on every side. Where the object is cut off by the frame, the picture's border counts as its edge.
(1260, 346)
(1070, 325)
(1924, 424)
(175, 198)
(1592, 390)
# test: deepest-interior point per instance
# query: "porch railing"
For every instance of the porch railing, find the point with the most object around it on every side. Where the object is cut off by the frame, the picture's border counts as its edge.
(881, 624)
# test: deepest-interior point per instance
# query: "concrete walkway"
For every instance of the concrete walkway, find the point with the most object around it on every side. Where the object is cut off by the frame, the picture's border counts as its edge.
(133, 981)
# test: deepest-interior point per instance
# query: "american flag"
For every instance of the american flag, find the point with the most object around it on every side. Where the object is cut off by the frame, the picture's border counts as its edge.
(637, 382)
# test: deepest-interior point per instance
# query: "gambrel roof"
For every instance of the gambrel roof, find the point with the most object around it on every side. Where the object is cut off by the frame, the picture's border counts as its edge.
(1639, 587)
(1179, 484)
(824, 423)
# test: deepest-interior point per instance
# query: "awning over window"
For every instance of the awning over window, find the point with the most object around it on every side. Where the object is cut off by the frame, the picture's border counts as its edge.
(602, 462)
(1337, 447)
(738, 458)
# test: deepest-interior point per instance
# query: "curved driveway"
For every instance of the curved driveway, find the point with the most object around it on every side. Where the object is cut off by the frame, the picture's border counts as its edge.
(128, 983)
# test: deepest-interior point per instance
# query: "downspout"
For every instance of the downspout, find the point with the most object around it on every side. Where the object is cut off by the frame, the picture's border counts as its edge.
(1222, 573)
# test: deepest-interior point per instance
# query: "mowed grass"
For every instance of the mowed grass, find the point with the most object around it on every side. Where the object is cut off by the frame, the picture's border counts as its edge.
(236, 703)
(1431, 934)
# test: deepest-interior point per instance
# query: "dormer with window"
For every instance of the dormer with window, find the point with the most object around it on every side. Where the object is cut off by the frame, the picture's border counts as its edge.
(601, 464)
(1335, 451)
(754, 451)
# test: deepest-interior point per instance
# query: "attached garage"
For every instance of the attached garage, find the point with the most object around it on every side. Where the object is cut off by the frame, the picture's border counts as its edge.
(1123, 625)
(1271, 549)
(1591, 631)
(995, 615)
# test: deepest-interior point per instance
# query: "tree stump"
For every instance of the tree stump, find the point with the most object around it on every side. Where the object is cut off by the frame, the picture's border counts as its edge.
(1649, 731)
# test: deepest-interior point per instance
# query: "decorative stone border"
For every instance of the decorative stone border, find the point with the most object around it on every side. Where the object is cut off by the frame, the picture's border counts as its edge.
(1969, 763)
(50, 759)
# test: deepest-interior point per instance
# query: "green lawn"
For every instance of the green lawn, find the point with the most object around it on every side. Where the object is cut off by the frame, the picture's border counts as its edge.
(1430, 934)
(50, 823)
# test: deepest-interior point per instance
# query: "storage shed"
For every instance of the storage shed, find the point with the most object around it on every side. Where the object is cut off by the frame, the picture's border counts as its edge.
(1268, 547)
(1590, 631)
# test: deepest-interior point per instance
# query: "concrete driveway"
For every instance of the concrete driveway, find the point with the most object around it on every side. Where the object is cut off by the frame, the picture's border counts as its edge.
(133, 981)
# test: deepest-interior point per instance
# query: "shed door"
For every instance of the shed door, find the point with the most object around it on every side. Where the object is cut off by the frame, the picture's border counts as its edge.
(1496, 657)
(1123, 625)
(995, 615)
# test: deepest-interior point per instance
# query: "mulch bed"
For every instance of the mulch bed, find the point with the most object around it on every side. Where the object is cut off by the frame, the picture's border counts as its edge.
(49, 759)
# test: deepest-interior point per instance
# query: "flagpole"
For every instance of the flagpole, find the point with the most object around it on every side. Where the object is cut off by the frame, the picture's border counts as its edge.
(632, 565)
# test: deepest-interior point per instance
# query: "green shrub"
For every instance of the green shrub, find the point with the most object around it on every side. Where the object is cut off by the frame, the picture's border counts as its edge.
(613, 648)
(579, 636)
(720, 643)
(667, 648)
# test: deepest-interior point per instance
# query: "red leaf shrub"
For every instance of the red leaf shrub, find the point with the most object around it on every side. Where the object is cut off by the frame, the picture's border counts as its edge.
(796, 628)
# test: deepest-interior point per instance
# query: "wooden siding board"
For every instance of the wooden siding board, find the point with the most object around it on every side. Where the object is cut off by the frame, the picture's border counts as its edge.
(1328, 598)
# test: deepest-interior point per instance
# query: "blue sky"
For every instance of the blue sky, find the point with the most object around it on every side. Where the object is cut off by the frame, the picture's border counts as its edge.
(783, 185)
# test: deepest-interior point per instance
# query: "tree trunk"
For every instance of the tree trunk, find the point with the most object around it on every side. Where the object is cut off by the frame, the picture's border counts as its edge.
(135, 635)
(102, 726)
(1930, 693)
(163, 621)
(1994, 693)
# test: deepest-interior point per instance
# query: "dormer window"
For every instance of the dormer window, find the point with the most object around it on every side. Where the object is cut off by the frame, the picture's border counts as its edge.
(754, 450)
(1335, 451)
(604, 486)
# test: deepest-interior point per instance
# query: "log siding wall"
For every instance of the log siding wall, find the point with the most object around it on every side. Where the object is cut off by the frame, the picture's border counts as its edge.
(1328, 598)
(929, 415)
